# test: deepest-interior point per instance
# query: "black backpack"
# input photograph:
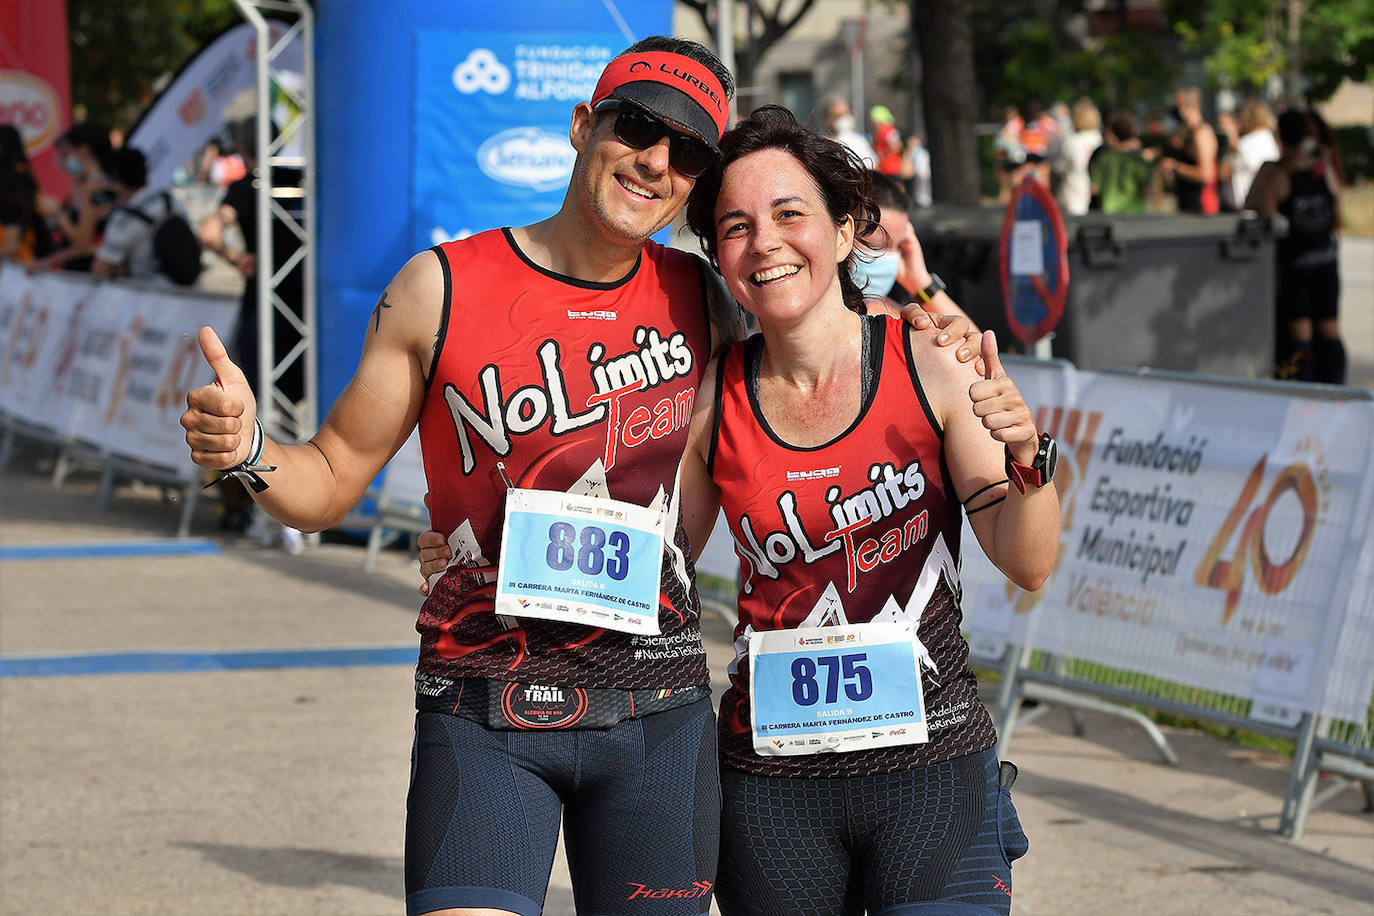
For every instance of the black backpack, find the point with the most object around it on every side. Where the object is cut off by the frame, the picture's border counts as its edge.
(174, 244)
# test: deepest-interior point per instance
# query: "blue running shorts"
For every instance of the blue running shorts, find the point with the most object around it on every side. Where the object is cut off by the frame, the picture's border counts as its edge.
(639, 803)
(935, 840)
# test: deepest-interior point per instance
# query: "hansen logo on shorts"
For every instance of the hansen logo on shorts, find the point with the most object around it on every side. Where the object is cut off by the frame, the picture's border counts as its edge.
(657, 361)
(643, 891)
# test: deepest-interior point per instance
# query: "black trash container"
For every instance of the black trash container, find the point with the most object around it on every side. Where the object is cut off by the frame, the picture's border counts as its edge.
(1180, 292)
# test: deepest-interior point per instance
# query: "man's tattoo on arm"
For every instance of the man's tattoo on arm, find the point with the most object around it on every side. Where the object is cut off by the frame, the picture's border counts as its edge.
(377, 312)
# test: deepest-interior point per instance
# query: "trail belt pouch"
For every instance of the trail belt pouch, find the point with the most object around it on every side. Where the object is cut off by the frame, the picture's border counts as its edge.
(835, 689)
(507, 706)
(581, 559)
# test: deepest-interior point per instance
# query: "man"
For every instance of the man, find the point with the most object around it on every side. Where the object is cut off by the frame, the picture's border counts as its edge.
(841, 126)
(590, 344)
(127, 248)
(1191, 156)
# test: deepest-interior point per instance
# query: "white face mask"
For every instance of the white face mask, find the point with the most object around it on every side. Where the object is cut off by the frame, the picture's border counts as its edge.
(876, 277)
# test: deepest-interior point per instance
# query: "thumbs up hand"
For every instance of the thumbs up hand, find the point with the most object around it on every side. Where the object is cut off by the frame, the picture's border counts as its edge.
(998, 402)
(219, 416)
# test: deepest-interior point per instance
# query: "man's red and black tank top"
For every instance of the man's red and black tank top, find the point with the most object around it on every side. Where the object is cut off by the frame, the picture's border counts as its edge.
(570, 385)
(865, 527)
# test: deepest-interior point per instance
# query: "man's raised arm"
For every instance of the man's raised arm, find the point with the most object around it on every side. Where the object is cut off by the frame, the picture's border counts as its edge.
(315, 484)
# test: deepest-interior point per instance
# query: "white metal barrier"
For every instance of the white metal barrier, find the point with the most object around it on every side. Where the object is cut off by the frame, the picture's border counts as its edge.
(99, 371)
(1215, 563)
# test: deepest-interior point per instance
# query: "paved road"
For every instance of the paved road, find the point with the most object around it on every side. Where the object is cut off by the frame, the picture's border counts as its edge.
(176, 784)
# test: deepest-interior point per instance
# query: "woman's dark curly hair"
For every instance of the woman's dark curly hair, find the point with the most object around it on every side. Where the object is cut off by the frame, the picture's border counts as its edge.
(840, 176)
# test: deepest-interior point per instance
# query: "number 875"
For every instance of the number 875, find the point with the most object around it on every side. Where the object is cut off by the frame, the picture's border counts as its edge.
(858, 680)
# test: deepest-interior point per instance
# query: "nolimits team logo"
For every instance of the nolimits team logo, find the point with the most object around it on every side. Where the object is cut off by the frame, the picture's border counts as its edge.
(481, 72)
(527, 157)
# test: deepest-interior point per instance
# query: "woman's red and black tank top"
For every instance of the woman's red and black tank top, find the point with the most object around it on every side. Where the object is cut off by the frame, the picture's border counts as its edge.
(861, 528)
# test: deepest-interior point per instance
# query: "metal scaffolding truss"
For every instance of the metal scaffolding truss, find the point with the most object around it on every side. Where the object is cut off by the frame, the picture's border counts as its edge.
(292, 206)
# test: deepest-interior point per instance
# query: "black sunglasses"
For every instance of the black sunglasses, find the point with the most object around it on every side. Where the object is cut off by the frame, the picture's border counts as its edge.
(637, 128)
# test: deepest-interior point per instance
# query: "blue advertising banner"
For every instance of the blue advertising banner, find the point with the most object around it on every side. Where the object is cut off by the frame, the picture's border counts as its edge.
(492, 111)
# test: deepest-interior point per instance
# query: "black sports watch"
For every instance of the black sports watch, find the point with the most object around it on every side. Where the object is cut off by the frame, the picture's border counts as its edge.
(1041, 469)
(931, 290)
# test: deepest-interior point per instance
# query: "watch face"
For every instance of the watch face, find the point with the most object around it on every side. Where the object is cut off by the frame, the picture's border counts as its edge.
(1047, 459)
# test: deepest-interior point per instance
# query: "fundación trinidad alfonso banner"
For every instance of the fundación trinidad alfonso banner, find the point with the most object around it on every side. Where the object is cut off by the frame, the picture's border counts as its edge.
(492, 111)
(190, 111)
(35, 82)
(1213, 535)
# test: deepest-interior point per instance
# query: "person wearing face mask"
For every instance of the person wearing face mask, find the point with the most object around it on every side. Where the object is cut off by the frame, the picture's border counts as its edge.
(84, 152)
(893, 272)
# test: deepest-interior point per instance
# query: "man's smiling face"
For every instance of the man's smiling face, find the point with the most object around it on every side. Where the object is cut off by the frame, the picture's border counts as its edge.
(632, 193)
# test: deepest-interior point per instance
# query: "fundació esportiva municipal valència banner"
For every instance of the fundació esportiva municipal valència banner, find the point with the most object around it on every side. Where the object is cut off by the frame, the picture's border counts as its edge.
(1213, 535)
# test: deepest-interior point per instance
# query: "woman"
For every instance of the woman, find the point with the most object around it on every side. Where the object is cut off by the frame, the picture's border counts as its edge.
(1255, 147)
(839, 450)
(84, 152)
(1305, 188)
(1075, 193)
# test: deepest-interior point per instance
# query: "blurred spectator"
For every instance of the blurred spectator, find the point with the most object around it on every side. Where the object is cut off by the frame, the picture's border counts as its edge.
(916, 170)
(1328, 150)
(1011, 155)
(24, 234)
(1305, 189)
(220, 163)
(240, 208)
(129, 247)
(1038, 132)
(1075, 189)
(1228, 136)
(887, 141)
(84, 152)
(1190, 156)
(1062, 117)
(840, 125)
(895, 267)
(1118, 174)
(1255, 147)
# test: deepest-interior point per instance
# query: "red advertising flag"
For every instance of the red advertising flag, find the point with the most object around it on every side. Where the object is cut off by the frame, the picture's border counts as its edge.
(35, 82)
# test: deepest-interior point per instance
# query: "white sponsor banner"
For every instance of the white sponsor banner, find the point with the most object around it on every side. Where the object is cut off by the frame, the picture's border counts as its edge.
(1211, 536)
(190, 112)
(37, 313)
(106, 363)
(157, 362)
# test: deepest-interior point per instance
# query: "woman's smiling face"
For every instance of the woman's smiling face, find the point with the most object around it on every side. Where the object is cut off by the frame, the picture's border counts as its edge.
(776, 243)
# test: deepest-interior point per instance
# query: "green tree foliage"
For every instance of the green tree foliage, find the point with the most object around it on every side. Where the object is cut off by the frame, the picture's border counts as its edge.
(1039, 49)
(121, 48)
(1246, 42)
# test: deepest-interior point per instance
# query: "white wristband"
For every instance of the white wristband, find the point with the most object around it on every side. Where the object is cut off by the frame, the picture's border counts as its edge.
(259, 442)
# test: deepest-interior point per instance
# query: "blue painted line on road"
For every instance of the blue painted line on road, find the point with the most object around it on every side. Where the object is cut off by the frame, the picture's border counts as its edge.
(177, 662)
(162, 548)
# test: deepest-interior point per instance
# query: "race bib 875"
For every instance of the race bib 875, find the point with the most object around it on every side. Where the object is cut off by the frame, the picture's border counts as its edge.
(835, 689)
